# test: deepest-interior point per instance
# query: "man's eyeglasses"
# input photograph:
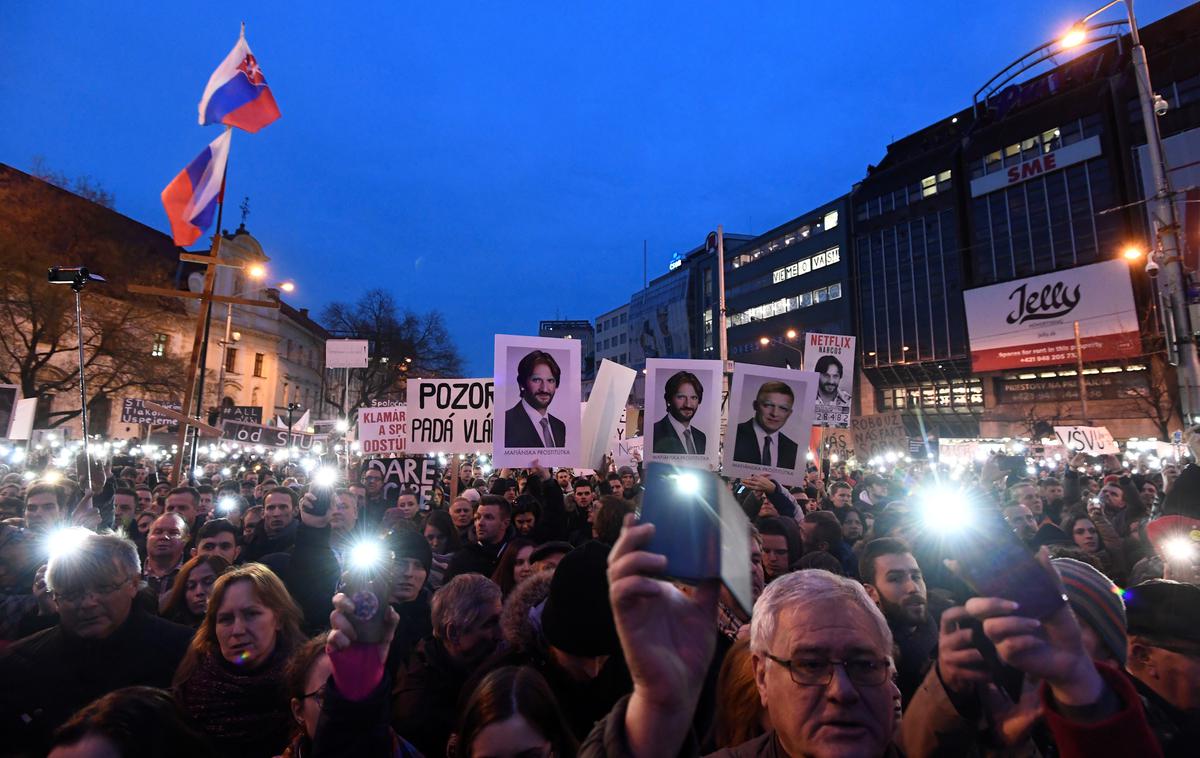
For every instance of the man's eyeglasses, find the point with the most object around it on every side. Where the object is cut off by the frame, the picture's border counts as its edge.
(75, 597)
(818, 672)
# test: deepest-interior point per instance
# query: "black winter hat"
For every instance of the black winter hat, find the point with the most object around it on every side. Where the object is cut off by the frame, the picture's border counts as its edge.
(407, 543)
(1163, 609)
(577, 618)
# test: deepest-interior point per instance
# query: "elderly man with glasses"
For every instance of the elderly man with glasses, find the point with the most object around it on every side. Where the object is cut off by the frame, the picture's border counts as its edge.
(101, 643)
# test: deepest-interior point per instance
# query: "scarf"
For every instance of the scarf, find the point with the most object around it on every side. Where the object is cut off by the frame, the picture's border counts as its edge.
(236, 706)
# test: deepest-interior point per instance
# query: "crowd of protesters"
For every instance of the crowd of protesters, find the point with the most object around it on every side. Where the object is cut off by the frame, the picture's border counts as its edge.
(144, 617)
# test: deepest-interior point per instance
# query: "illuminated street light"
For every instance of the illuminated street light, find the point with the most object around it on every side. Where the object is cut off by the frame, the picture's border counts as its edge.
(1074, 37)
(287, 286)
(256, 271)
(764, 341)
(791, 334)
(1132, 253)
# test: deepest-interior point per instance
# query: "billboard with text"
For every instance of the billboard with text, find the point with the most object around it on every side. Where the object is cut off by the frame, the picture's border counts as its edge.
(1028, 323)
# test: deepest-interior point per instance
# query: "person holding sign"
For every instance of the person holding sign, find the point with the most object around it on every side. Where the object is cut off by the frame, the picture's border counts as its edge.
(673, 433)
(529, 422)
(759, 440)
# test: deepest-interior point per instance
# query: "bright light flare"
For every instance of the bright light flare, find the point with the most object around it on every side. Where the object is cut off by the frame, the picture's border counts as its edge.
(1132, 253)
(227, 505)
(1179, 549)
(944, 510)
(1074, 37)
(687, 483)
(53, 477)
(764, 341)
(342, 426)
(325, 476)
(256, 271)
(65, 541)
(288, 286)
(366, 555)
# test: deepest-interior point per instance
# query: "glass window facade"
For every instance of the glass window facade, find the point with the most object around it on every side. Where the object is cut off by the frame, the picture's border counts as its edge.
(909, 283)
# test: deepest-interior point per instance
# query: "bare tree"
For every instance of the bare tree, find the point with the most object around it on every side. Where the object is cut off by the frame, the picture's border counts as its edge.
(1158, 399)
(403, 344)
(84, 186)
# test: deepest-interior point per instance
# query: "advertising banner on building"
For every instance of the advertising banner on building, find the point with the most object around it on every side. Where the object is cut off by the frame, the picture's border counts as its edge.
(450, 415)
(383, 431)
(658, 321)
(832, 357)
(1028, 323)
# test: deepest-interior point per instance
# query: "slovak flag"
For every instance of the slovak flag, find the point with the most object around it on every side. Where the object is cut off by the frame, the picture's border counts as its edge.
(191, 197)
(237, 93)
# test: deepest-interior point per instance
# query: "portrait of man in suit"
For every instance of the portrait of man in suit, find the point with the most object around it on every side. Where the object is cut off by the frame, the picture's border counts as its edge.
(759, 440)
(674, 433)
(829, 390)
(529, 422)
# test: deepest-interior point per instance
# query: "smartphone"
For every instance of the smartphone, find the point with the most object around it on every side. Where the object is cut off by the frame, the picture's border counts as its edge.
(1013, 465)
(324, 496)
(994, 562)
(369, 588)
(681, 503)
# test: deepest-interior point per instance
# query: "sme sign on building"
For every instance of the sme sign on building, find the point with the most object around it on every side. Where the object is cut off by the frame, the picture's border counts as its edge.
(1027, 323)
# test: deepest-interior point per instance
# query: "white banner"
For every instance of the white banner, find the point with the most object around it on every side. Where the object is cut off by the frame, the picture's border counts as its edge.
(604, 410)
(832, 357)
(383, 431)
(450, 415)
(1093, 440)
(1030, 322)
(628, 452)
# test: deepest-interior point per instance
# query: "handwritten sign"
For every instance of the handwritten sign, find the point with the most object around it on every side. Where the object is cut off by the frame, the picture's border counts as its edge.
(1093, 440)
(419, 472)
(134, 411)
(878, 434)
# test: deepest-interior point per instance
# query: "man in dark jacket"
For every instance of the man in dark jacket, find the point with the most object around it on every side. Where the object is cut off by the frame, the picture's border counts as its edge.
(100, 644)
(492, 519)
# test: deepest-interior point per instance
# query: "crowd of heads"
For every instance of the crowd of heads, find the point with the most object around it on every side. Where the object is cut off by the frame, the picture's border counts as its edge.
(505, 624)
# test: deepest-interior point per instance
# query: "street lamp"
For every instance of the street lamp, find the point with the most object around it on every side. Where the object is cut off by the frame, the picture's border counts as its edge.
(254, 271)
(1181, 345)
(766, 341)
(1132, 253)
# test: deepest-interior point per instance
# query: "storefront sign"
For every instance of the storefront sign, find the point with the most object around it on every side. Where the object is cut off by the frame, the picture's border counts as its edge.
(1116, 386)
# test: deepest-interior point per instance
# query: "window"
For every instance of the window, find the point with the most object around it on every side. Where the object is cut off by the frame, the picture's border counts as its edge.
(159, 347)
(835, 291)
(231, 360)
(929, 186)
(258, 365)
(622, 339)
(623, 316)
(831, 220)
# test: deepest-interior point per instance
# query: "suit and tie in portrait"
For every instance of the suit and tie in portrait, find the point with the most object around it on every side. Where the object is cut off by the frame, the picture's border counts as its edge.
(760, 437)
(529, 422)
(674, 431)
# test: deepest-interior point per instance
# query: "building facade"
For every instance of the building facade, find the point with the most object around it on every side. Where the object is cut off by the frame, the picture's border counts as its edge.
(612, 336)
(1038, 178)
(790, 280)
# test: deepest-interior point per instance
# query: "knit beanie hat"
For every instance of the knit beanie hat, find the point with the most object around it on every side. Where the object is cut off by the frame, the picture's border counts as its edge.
(408, 543)
(577, 618)
(1096, 601)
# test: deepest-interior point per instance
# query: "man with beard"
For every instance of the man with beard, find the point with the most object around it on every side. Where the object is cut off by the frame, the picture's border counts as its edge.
(529, 422)
(894, 581)
(833, 404)
(673, 433)
(760, 440)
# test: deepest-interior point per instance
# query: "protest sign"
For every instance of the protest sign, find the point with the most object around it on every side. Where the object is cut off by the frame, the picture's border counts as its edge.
(683, 407)
(770, 414)
(839, 442)
(878, 434)
(832, 357)
(1093, 440)
(383, 431)
(604, 411)
(270, 436)
(405, 471)
(628, 452)
(251, 414)
(538, 388)
(450, 415)
(9, 394)
(20, 427)
(134, 411)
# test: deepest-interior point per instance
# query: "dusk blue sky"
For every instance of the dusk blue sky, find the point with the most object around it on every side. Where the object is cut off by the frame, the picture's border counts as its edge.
(502, 162)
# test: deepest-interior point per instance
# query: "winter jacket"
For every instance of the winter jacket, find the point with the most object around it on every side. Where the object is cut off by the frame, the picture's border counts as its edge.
(425, 697)
(46, 677)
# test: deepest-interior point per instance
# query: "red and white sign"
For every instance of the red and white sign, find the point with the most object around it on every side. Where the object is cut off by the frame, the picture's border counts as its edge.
(1031, 322)
(1036, 166)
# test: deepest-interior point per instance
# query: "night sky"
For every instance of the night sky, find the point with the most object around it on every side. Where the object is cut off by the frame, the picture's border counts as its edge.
(502, 162)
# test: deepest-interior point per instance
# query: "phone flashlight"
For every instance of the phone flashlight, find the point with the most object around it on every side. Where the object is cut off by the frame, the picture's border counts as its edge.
(1180, 550)
(227, 505)
(65, 541)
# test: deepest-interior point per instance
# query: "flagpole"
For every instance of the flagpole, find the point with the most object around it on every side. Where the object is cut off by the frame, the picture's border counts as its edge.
(200, 341)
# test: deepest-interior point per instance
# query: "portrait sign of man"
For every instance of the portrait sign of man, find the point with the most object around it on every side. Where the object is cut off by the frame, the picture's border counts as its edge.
(674, 433)
(829, 370)
(529, 423)
(760, 440)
